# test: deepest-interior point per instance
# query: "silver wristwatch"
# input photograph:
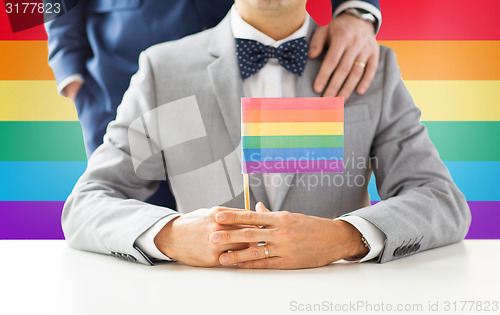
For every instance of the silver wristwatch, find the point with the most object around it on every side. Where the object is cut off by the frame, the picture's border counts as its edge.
(362, 14)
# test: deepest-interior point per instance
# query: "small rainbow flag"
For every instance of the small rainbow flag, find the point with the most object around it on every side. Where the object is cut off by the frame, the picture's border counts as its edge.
(292, 135)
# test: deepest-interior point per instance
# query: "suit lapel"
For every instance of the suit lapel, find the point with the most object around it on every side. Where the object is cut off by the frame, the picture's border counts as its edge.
(227, 83)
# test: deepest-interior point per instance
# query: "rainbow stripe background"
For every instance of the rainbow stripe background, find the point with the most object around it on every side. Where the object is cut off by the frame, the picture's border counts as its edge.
(449, 53)
(289, 135)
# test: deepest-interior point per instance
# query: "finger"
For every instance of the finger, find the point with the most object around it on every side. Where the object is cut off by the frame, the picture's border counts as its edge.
(235, 247)
(318, 41)
(267, 263)
(244, 217)
(341, 73)
(354, 77)
(260, 207)
(330, 63)
(248, 254)
(239, 236)
(219, 209)
(370, 71)
(236, 227)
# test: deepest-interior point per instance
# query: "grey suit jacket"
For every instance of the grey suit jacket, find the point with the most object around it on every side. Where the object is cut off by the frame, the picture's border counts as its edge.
(185, 100)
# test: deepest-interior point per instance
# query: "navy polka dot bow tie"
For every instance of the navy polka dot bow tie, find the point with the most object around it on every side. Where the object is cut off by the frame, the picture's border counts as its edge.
(252, 55)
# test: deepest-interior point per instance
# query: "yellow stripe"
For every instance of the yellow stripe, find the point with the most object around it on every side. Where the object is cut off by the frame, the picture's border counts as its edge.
(293, 129)
(34, 101)
(438, 100)
(457, 100)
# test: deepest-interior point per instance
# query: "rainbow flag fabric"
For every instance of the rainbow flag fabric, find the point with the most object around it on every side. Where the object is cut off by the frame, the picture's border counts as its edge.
(292, 135)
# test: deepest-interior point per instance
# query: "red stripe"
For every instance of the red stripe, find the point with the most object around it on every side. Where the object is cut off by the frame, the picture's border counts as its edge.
(401, 20)
(440, 20)
(270, 116)
(305, 103)
(35, 33)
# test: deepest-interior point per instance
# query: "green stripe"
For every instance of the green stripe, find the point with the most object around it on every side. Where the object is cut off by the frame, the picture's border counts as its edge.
(41, 141)
(63, 141)
(466, 140)
(270, 142)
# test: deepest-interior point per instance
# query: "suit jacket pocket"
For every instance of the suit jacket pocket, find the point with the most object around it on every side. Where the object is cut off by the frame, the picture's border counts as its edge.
(108, 6)
(356, 113)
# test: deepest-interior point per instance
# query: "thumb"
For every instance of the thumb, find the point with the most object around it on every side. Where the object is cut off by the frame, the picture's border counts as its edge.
(259, 207)
(318, 41)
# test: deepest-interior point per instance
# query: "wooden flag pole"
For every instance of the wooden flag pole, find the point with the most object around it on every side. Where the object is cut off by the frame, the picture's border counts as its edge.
(246, 191)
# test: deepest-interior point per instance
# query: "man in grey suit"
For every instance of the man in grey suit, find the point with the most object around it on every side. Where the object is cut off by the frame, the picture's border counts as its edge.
(180, 120)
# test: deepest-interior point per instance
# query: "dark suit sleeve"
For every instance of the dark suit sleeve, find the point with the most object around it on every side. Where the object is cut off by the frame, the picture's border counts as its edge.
(421, 206)
(336, 4)
(67, 43)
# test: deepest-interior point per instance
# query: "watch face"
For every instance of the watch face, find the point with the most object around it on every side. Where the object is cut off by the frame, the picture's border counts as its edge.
(363, 11)
(363, 14)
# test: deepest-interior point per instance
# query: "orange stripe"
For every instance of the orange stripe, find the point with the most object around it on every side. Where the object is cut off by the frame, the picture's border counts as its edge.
(419, 60)
(447, 60)
(257, 116)
(24, 60)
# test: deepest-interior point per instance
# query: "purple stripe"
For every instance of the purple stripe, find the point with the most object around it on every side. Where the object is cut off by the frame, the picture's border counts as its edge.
(31, 220)
(485, 223)
(316, 166)
(42, 220)
(485, 220)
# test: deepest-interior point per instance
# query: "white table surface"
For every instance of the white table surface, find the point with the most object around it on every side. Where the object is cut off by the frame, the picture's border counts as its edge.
(47, 277)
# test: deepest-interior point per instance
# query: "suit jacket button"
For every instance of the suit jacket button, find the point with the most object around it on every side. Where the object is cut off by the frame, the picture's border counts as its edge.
(397, 252)
(404, 250)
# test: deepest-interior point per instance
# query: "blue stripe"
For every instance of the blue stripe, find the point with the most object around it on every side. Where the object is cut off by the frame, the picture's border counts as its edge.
(478, 181)
(293, 154)
(53, 181)
(38, 181)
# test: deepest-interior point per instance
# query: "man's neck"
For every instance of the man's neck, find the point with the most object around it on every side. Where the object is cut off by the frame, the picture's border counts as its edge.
(275, 23)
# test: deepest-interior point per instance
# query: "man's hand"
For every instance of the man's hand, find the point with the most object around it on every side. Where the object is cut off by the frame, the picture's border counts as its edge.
(294, 240)
(349, 40)
(71, 90)
(186, 238)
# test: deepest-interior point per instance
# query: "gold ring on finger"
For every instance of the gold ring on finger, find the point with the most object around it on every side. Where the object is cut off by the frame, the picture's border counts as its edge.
(359, 63)
(266, 251)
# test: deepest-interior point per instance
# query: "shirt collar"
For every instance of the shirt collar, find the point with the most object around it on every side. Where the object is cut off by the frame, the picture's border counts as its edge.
(242, 29)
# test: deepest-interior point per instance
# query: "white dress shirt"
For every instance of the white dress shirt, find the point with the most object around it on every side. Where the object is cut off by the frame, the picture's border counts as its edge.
(271, 81)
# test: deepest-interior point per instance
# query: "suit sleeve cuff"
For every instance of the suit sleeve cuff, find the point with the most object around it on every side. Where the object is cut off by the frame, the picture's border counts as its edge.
(361, 5)
(69, 79)
(372, 234)
(146, 241)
